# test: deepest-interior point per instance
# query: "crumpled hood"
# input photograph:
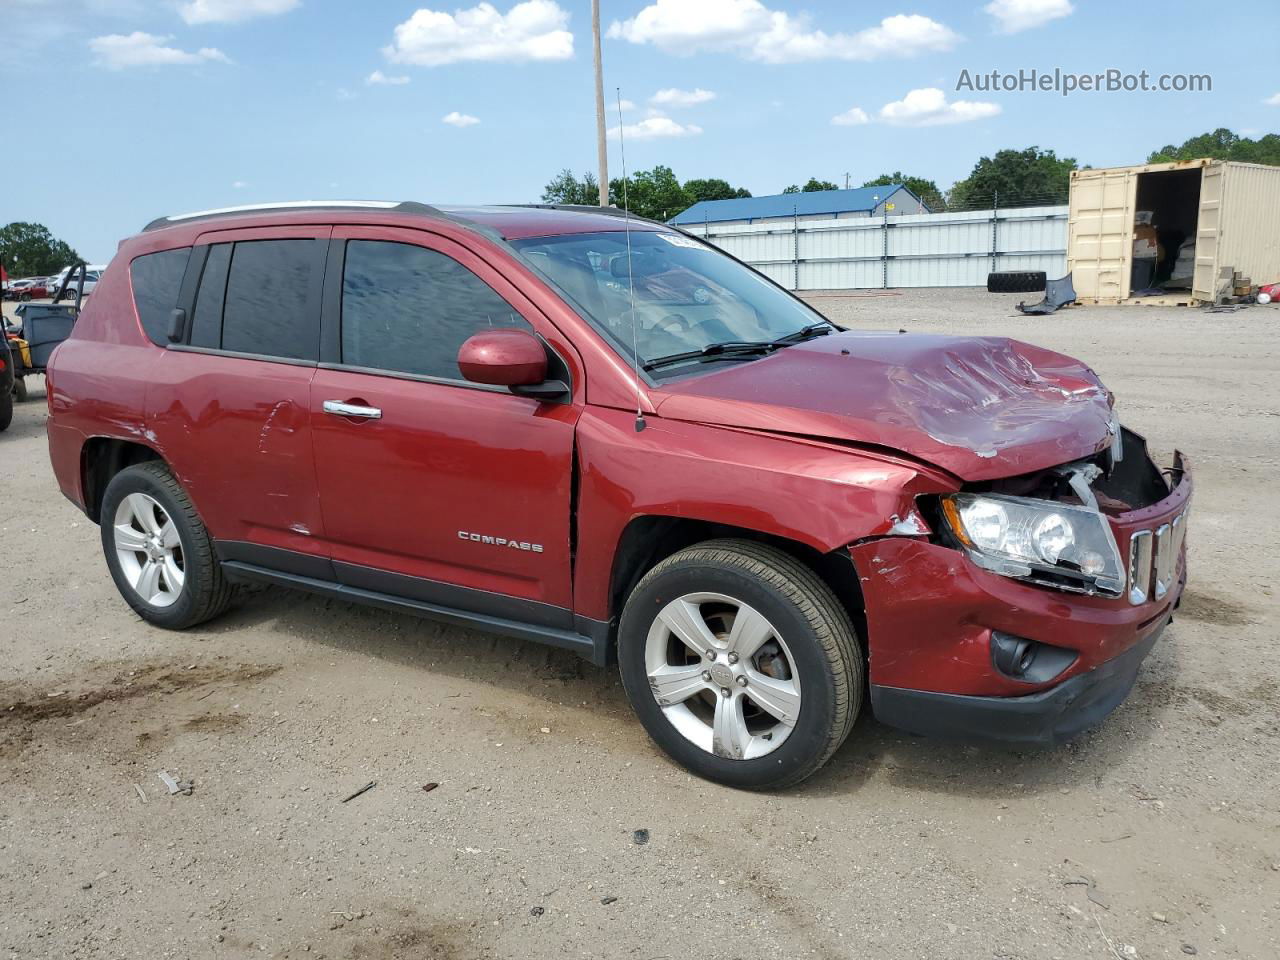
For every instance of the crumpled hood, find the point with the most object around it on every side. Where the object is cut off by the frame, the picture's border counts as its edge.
(978, 407)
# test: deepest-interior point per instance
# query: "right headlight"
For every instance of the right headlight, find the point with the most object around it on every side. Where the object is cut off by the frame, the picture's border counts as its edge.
(1057, 544)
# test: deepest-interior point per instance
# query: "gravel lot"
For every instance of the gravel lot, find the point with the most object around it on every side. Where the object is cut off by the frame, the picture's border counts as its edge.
(1156, 836)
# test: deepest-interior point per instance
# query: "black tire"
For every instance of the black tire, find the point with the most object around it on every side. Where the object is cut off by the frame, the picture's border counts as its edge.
(1016, 281)
(6, 409)
(20, 390)
(205, 592)
(817, 631)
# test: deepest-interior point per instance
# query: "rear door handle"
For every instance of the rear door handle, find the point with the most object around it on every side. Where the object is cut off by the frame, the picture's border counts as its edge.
(340, 408)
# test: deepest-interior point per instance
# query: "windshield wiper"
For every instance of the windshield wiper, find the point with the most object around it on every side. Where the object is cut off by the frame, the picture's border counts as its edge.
(724, 350)
(819, 329)
(733, 349)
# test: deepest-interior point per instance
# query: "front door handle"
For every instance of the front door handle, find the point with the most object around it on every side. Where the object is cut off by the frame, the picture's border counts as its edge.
(340, 408)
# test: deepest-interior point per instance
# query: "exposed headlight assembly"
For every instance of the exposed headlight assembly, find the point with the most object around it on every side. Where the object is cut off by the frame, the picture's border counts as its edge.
(1056, 544)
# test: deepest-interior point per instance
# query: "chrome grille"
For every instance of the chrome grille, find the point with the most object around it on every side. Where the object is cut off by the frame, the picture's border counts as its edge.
(1153, 559)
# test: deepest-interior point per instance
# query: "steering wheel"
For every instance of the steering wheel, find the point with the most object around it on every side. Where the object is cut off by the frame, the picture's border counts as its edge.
(671, 319)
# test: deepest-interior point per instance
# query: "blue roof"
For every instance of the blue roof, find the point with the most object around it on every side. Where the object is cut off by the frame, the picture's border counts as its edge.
(786, 204)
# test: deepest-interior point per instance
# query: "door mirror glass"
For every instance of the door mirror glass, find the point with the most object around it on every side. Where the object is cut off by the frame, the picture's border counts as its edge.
(504, 358)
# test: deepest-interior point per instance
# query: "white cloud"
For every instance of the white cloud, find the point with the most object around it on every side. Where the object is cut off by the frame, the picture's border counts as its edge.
(853, 117)
(456, 119)
(928, 107)
(624, 105)
(378, 78)
(345, 94)
(1273, 100)
(751, 29)
(232, 11)
(672, 97)
(532, 30)
(117, 51)
(653, 127)
(238, 185)
(1013, 16)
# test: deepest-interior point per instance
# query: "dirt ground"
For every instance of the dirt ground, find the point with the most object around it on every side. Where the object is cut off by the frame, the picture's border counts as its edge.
(1156, 836)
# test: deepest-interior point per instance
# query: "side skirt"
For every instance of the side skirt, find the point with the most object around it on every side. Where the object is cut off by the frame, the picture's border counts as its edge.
(590, 639)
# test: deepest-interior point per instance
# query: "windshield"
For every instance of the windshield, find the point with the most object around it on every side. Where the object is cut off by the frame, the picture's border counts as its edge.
(688, 296)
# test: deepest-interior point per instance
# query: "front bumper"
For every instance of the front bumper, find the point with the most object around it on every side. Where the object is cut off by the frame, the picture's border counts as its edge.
(931, 613)
(1045, 718)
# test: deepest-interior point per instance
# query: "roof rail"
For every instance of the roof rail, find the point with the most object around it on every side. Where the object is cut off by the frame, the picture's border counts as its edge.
(587, 208)
(391, 206)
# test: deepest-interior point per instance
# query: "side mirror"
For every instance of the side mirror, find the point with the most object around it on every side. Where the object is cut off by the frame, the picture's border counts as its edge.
(504, 358)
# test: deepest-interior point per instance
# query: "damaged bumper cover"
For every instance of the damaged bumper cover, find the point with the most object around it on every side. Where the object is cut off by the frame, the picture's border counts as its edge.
(934, 618)
(1046, 718)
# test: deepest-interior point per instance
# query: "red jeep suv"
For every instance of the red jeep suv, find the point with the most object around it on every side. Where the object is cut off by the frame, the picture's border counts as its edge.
(600, 433)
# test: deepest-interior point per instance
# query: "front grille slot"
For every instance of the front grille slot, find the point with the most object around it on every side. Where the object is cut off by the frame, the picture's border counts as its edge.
(1139, 566)
(1153, 560)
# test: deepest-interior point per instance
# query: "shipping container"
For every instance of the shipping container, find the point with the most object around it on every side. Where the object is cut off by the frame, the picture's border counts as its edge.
(1172, 233)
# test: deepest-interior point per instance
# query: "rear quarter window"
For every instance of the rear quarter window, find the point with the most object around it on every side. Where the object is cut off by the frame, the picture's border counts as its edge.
(156, 280)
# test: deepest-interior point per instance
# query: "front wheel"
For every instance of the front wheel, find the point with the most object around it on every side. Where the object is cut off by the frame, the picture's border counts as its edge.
(160, 555)
(741, 663)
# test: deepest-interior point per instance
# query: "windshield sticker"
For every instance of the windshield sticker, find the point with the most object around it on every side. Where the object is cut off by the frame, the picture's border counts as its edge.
(680, 240)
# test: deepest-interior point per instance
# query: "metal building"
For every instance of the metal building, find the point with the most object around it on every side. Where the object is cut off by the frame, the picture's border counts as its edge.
(1168, 233)
(894, 200)
(926, 250)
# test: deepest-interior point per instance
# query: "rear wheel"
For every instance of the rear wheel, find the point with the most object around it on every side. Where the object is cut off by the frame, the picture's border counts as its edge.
(6, 409)
(20, 390)
(160, 555)
(741, 664)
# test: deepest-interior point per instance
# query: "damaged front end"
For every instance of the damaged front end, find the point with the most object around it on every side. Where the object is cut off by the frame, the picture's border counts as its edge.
(1058, 527)
(1024, 613)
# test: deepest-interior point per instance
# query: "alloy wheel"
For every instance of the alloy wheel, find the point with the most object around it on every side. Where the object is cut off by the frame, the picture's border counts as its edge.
(149, 549)
(722, 675)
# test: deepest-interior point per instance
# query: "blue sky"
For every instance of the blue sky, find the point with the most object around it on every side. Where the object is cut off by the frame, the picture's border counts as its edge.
(188, 104)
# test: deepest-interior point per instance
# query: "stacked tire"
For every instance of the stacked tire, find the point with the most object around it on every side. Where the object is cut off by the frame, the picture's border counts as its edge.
(1016, 281)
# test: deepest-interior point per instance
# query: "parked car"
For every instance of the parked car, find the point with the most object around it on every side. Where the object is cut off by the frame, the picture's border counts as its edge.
(31, 288)
(764, 520)
(92, 274)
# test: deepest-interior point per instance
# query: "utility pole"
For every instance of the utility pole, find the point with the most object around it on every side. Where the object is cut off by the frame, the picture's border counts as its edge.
(602, 150)
(846, 181)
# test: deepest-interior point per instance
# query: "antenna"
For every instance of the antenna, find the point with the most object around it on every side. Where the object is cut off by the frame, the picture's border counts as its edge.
(631, 283)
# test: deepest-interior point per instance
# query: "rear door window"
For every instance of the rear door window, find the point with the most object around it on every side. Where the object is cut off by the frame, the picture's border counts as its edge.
(268, 307)
(156, 280)
(206, 323)
(407, 309)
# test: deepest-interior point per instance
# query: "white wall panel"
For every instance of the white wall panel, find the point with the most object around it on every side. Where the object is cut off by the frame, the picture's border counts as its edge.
(926, 250)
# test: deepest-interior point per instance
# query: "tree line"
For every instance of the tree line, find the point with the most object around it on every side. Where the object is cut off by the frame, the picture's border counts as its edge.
(30, 250)
(1007, 178)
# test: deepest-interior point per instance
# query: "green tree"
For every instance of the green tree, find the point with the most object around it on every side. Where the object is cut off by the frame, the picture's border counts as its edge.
(655, 194)
(1014, 178)
(30, 250)
(567, 188)
(926, 190)
(713, 189)
(1222, 144)
(812, 186)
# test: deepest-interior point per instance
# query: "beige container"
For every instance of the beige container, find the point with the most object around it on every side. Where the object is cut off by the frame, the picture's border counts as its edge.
(1231, 210)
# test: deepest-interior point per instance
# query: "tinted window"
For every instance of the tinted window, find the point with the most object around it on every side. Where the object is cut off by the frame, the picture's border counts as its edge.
(206, 324)
(408, 309)
(156, 279)
(266, 309)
